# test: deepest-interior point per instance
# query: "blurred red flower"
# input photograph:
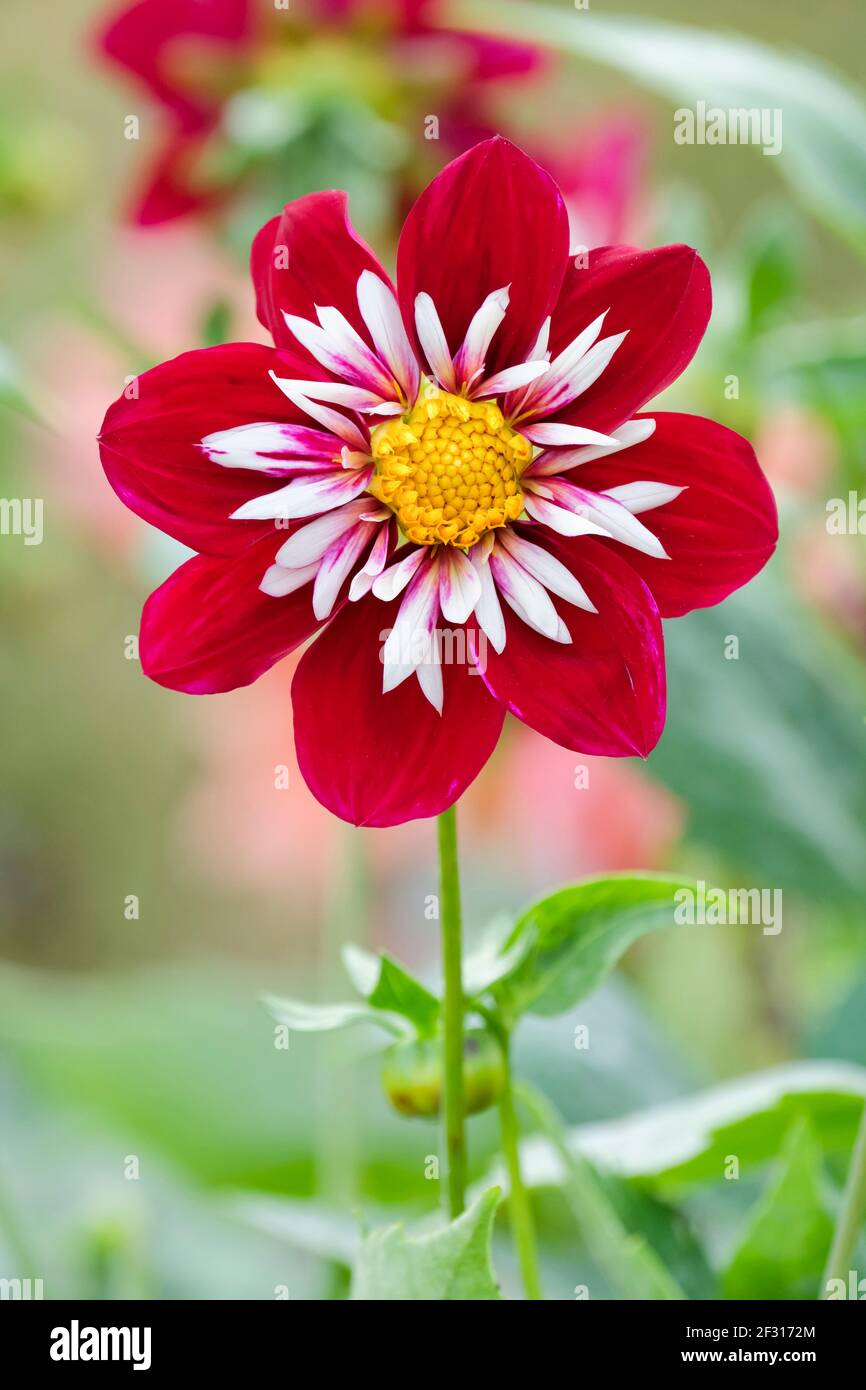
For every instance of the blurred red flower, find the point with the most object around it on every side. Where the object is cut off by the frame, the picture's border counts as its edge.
(195, 56)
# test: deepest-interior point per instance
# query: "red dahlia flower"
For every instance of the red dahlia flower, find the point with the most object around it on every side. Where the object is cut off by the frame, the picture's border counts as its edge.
(456, 468)
(196, 57)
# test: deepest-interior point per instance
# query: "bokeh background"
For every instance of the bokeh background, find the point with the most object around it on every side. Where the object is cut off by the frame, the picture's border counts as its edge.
(158, 867)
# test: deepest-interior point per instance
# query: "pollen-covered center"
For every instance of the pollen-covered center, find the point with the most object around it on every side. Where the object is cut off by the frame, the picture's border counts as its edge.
(450, 469)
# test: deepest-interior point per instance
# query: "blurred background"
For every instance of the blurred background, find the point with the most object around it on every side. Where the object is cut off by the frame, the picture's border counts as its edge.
(161, 861)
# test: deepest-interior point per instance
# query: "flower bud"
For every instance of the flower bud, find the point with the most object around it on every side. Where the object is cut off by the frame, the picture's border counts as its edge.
(413, 1072)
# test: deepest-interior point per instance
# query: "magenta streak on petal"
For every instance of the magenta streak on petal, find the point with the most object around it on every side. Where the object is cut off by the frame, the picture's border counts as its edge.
(524, 594)
(381, 313)
(271, 446)
(337, 350)
(306, 498)
(352, 432)
(606, 512)
(337, 564)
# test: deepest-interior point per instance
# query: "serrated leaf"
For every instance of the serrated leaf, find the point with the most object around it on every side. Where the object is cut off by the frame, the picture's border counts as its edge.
(446, 1265)
(782, 1252)
(496, 955)
(823, 147)
(325, 1018)
(578, 935)
(689, 1141)
(388, 986)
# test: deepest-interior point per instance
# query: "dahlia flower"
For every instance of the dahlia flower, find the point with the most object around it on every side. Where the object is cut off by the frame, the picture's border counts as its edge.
(239, 76)
(454, 477)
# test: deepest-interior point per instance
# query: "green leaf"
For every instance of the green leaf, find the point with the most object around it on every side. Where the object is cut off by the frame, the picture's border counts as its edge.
(304, 1224)
(578, 935)
(782, 1252)
(450, 1264)
(496, 955)
(823, 154)
(676, 1145)
(779, 737)
(387, 986)
(301, 1017)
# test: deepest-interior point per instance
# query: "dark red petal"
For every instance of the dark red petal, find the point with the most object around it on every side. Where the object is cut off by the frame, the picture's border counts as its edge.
(492, 218)
(718, 533)
(310, 254)
(604, 693)
(376, 759)
(149, 444)
(661, 297)
(145, 37)
(209, 628)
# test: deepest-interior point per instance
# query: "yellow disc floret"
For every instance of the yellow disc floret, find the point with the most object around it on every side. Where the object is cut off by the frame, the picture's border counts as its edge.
(450, 469)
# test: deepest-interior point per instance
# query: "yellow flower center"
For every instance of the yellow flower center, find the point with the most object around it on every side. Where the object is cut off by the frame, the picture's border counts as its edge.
(449, 469)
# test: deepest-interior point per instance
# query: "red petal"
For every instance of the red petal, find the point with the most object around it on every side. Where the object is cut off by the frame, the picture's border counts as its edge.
(171, 190)
(604, 693)
(149, 445)
(718, 533)
(492, 218)
(376, 759)
(310, 254)
(661, 297)
(143, 35)
(494, 58)
(209, 627)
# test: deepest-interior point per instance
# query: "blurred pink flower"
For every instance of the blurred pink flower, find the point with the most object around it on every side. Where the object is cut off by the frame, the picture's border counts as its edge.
(800, 455)
(248, 822)
(600, 173)
(600, 815)
(797, 449)
(829, 574)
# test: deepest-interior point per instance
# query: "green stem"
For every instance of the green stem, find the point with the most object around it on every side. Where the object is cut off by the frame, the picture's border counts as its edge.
(851, 1214)
(452, 1010)
(519, 1206)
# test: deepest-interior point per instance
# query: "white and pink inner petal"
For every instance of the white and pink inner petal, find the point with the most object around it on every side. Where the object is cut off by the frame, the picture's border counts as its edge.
(378, 377)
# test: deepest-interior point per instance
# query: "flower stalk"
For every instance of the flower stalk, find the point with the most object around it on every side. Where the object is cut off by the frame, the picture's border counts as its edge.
(851, 1215)
(452, 1012)
(519, 1206)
